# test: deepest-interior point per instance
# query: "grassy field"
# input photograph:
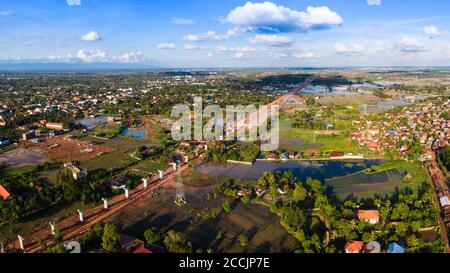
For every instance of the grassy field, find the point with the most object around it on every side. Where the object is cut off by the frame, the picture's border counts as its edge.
(107, 130)
(148, 167)
(116, 159)
(295, 139)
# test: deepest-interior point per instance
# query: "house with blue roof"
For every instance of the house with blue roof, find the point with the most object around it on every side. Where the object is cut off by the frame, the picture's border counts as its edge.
(395, 248)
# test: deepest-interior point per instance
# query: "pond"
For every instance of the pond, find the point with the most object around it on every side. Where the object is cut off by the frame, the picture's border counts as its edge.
(324, 90)
(137, 134)
(384, 105)
(320, 170)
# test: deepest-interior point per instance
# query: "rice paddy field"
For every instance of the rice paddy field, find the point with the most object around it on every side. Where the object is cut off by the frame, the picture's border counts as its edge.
(383, 182)
(220, 234)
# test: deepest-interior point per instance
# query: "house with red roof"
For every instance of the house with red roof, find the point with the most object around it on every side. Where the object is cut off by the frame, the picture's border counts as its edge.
(4, 193)
(370, 216)
(354, 247)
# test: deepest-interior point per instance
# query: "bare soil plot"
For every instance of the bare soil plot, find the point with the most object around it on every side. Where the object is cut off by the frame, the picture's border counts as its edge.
(63, 149)
(22, 157)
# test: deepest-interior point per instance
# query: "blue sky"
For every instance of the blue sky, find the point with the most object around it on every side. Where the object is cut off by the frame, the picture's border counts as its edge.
(227, 33)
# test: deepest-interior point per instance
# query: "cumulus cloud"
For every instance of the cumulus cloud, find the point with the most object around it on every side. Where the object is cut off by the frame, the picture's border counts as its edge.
(272, 40)
(182, 21)
(269, 17)
(92, 56)
(305, 55)
(410, 45)
(193, 47)
(433, 31)
(130, 57)
(91, 37)
(374, 2)
(210, 35)
(350, 49)
(73, 2)
(166, 46)
(239, 55)
(235, 49)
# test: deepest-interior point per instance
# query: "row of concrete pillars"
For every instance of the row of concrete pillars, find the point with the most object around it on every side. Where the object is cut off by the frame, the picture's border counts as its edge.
(105, 202)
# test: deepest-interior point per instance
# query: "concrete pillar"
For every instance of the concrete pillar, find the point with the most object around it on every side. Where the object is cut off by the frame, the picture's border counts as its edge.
(80, 212)
(127, 193)
(206, 147)
(161, 174)
(145, 181)
(186, 159)
(53, 227)
(174, 165)
(105, 203)
(21, 242)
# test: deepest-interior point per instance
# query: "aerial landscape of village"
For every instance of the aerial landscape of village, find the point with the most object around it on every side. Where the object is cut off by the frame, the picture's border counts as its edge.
(360, 157)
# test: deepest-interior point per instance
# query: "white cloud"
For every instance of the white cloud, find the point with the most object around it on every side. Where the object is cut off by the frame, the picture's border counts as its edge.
(91, 37)
(193, 47)
(374, 2)
(410, 45)
(73, 2)
(433, 31)
(272, 40)
(268, 16)
(305, 55)
(130, 57)
(235, 49)
(210, 35)
(166, 46)
(239, 55)
(182, 21)
(210, 55)
(351, 49)
(92, 56)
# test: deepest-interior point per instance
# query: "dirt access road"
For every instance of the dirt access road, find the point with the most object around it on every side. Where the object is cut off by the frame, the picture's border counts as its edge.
(438, 181)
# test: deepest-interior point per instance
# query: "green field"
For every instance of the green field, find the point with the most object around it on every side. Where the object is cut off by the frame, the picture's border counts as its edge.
(119, 158)
(148, 167)
(294, 139)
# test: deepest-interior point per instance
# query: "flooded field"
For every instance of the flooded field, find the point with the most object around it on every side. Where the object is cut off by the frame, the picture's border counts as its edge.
(362, 185)
(320, 170)
(220, 234)
(23, 157)
(383, 105)
(91, 123)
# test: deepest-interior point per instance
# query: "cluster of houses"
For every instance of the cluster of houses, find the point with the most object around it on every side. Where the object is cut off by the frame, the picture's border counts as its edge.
(421, 124)
(354, 246)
